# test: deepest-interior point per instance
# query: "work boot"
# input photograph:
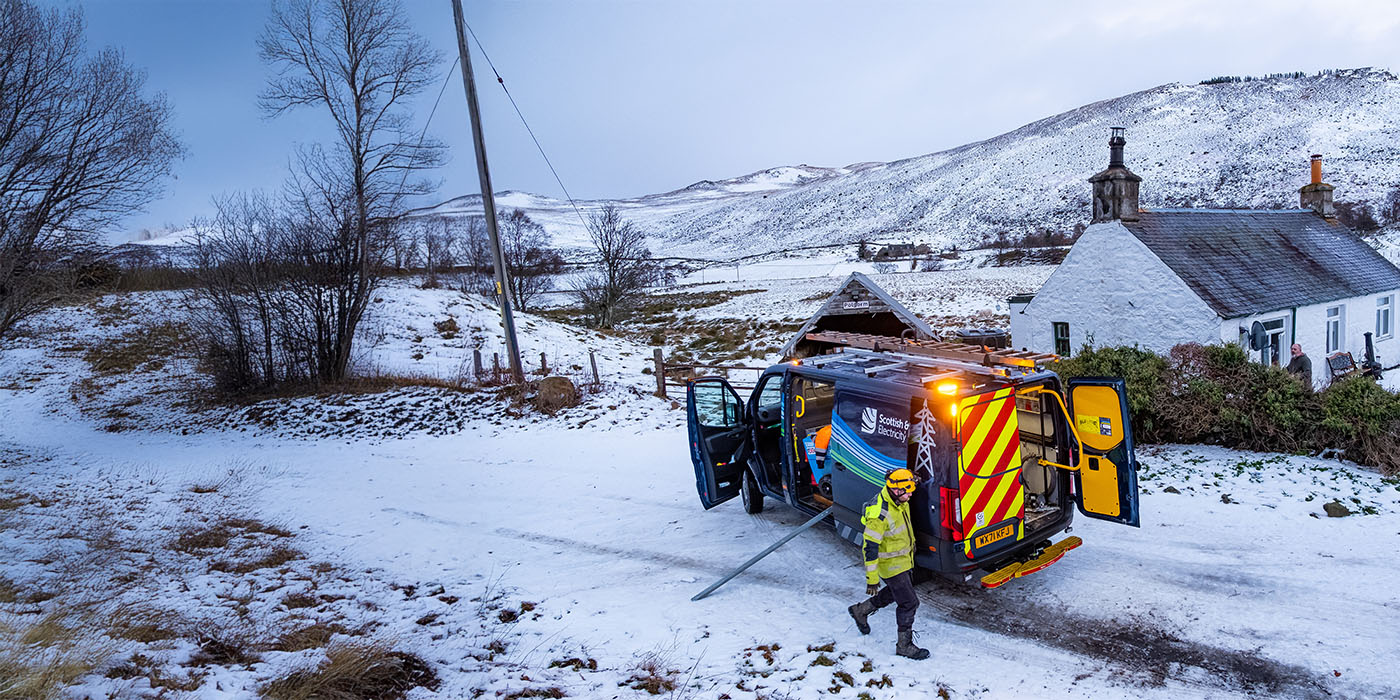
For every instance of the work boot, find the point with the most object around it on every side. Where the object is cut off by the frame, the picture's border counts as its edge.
(859, 612)
(906, 647)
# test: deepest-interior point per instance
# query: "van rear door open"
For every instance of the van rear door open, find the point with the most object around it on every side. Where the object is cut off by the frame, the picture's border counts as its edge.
(1105, 486)
(715, 421)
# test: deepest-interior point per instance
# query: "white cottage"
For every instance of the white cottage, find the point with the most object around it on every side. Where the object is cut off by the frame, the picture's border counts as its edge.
(1156, 278)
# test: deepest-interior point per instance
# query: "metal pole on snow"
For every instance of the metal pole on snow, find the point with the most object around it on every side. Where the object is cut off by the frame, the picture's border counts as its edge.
(815, 519)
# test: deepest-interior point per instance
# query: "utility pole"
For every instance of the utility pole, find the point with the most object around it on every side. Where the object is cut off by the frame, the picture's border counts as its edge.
(488, 199)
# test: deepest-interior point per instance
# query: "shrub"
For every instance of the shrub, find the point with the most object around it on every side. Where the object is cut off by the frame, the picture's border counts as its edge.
(1216, 394)
(1363, 418)
(1143, 371)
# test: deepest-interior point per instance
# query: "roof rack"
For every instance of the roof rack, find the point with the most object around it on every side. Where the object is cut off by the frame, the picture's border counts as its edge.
(943, 353)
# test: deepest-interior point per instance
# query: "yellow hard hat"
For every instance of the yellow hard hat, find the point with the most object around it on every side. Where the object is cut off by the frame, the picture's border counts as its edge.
(901, 479)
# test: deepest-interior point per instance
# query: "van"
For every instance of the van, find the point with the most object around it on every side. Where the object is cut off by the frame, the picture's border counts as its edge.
(1000, 445)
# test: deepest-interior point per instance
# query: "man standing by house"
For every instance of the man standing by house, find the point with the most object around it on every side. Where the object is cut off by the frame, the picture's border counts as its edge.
(1300, 366)
(889, 555)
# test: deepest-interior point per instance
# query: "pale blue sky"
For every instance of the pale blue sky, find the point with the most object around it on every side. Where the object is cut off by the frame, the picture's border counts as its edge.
(636, 97)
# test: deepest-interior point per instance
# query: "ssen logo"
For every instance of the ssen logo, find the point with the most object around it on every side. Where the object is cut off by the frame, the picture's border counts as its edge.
(872, 422)
(869, 419)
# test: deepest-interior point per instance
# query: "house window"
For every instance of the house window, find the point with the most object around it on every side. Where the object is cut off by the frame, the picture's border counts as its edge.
(1335, 326)
(1061, 338)
(1385, 316)
(1272, 352)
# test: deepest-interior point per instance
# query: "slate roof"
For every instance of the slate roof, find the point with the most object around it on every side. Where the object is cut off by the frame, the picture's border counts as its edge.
(1244, 262)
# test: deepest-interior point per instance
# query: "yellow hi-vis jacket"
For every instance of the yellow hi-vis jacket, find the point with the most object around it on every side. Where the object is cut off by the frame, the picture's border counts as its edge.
(889, 538)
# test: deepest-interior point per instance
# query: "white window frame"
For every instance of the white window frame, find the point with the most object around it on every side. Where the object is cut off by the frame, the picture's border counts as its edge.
(1336, 328)
(1055, 337)
(1385, 317)
(1280, 329)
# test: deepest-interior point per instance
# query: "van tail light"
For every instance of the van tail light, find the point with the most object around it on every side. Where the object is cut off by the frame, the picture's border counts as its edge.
(949, 506)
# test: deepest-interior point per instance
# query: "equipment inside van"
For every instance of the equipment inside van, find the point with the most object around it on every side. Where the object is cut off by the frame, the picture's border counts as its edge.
(1001, 447)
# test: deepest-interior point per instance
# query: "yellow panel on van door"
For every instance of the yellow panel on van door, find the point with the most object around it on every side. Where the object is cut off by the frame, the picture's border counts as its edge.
(1099, 478)
(1098, 416)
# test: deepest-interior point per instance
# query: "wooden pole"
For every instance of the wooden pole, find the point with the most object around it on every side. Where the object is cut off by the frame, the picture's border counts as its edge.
(660, 372)
(544, 365)
(488, 199)
(496, 367)
(593, 360)
(476, 365)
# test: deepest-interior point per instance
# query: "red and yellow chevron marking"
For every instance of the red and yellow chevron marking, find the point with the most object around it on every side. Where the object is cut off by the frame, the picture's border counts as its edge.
(989, 475)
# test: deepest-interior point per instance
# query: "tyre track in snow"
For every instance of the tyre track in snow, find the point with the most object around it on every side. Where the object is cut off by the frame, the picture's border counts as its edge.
(1155, 655)
(1151, 654)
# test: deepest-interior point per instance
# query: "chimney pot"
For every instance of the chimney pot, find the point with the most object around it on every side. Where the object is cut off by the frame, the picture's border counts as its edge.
(1317, 195)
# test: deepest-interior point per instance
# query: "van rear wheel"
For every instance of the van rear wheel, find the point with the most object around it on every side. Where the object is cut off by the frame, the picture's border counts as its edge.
(753, 498)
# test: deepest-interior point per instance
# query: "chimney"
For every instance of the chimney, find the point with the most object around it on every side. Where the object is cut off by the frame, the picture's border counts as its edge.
(1317, 195)
(1115, 189)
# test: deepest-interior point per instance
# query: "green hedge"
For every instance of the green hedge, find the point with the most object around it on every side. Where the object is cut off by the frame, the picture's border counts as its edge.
(1214, 394)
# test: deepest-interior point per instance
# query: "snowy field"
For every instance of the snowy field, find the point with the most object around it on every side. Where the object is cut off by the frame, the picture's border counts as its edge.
(205, 551)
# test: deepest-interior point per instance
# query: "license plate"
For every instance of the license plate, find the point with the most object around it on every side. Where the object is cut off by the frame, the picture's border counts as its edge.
(987, 538)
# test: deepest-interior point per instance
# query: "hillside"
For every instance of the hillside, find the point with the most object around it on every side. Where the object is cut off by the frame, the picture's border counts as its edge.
(1237, 144)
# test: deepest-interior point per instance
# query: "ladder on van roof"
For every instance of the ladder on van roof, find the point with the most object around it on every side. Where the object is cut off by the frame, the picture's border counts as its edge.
(935, 349)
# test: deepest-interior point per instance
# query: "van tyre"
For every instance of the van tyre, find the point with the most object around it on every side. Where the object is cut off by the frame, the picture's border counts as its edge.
(753, 498)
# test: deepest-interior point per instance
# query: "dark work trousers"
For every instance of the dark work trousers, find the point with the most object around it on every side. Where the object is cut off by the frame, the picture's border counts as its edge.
(899, 589)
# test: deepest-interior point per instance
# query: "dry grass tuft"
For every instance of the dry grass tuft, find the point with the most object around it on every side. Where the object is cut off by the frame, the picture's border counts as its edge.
(9, 592)
(225, 649)
(275, 557)
(39, 660)
(145, 625)
(356, 671)
(312, 636)
(551, 692)
(294, 601)
(142, 349)
(652, 674)
(196, 540)
(14, 501)
(250, 525)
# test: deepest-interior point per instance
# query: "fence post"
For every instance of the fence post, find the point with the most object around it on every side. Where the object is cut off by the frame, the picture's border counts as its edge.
(593, 360)
(544, 365)
(476, 365)
(496, 367)
(660, 372)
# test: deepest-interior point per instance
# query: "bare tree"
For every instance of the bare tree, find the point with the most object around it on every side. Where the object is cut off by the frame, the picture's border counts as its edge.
(81, 146)
(359, 61)
(237, 305)
(437, 239)
(472, 253)
(529, 259)
(622, 272)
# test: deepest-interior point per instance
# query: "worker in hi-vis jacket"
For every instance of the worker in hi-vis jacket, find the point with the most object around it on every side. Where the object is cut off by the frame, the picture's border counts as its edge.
(889, 555)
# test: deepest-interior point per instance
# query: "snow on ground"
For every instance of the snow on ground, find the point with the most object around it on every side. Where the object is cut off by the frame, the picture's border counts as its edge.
(518, 553)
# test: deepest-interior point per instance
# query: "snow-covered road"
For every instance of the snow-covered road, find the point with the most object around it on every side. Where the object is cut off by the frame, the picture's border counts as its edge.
(600, 526)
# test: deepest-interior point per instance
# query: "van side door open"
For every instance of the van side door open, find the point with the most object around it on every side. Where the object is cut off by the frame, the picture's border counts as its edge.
(1105, 486)
(715, 421)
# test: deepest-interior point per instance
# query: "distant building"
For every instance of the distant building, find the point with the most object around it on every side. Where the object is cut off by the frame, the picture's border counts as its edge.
(1156, 278)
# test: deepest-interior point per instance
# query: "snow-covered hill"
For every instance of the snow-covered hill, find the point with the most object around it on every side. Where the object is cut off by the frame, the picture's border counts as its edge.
(1240, 144)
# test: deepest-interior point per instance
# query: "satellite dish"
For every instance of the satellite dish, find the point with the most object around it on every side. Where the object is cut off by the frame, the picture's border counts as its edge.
(1257, 337)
